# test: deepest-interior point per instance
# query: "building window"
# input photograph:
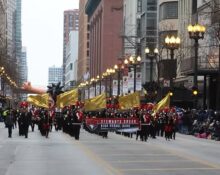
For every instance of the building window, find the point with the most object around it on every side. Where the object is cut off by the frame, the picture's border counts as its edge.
(87, 53)
(169, 10)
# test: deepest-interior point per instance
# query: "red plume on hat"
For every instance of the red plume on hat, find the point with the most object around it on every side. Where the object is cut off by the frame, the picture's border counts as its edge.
(23, 104)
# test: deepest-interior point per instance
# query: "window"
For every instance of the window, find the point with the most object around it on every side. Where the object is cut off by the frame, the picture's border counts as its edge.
(169, 10)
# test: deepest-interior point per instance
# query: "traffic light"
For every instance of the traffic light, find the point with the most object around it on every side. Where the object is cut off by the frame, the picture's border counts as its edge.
(195, 91)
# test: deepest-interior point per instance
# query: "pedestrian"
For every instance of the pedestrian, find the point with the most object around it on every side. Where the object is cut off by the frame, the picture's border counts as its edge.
(9, 121)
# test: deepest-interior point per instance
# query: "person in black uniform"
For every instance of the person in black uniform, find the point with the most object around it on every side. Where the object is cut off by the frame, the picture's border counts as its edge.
(78, 117)
(25, 119)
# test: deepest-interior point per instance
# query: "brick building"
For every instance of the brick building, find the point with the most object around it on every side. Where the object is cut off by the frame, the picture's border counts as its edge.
(106, 24)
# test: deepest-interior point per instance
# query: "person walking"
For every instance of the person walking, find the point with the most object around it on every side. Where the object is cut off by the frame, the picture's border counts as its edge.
(9, 121)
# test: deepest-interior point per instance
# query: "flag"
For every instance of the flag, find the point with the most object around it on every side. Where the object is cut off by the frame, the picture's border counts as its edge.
(67, 98)
(129, 101)
(165, 102)
(39, 100)
(98, 102)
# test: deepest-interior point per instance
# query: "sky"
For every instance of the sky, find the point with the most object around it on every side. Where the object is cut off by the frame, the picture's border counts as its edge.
(42, 35)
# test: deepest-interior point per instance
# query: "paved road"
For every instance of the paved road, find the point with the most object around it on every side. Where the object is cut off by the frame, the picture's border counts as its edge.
(117, 155)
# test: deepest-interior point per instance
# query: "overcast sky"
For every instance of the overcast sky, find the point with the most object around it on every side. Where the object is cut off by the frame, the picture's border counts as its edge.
(42, 34)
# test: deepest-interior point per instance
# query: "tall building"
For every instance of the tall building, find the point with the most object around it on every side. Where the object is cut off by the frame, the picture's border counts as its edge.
(55, 75)
(71, 60)
(2, 24)
(23, 70)
(83, 59)
(168, 26)
(11, 28)
(106, 24)
(147, 33)
(18, 40)
(71, 23)
(130, 28)
(23, 65)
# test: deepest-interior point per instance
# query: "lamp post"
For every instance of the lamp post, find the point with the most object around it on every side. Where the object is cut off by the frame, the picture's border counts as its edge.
(172, 43)
(151, 56)
(196, 32)
(134, 61)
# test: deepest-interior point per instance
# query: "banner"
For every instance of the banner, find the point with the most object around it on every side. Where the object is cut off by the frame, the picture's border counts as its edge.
(115, 88)
(138, 81)
(129, 101)
(91, 92)
(97, 89)
(96, 103)
(102, 89)
(39, 100)
(165, 102)
(67, 98)
(86, 93)
(129, 125)
(130, 82)
(125, 85)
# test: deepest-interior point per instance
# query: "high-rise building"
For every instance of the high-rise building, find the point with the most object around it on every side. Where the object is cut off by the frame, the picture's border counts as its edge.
(55, 75)
(2, 24)
(18, 40)
(71, 60)
(130, 28)
(23, 65)
(147, 34)
(106, 24)
(11, 28)
(23, 69)
(83, 58)
(71, 23)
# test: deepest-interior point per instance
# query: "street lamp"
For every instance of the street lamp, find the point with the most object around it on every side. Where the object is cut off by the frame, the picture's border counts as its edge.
(172, 43)
(196, 32)
(134, 61)
(151, 56)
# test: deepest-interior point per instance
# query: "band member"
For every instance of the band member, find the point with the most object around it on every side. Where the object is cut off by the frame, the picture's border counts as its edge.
(25, 120)
(9, 122)
(78, 117)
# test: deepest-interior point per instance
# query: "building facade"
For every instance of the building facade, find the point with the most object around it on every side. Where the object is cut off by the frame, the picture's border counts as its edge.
(83, 59)
(129, 28)
(55, 75)
(168, 26)
(11, 28)
(106, 24)
(71, 60)
(2, 24)
(71, 23)
(148, 11)
(23, 70)
(18, 40)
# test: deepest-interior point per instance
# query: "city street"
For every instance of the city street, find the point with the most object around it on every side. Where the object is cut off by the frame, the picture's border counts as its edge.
(93, 155)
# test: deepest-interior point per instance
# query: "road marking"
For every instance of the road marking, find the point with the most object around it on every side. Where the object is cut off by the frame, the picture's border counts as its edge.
(137, 155)
(166, 169)
(148, 161)
(189, 157)
(179, 154)
(110, 170)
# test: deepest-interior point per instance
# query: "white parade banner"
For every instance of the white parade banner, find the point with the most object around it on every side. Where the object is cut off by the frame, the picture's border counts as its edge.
(138, 81)
(125, 85)
(130, 82)
(115, 88)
